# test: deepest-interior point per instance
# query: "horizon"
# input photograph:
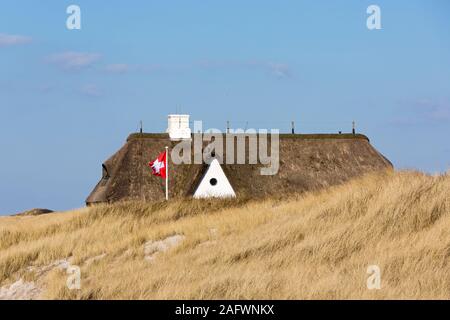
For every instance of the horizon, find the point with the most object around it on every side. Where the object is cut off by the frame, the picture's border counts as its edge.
(70, 98)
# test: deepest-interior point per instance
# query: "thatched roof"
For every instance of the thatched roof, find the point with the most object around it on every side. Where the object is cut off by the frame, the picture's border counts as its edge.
(306, 162)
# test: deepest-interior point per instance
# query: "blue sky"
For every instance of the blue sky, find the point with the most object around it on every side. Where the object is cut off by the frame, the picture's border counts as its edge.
(69, 98)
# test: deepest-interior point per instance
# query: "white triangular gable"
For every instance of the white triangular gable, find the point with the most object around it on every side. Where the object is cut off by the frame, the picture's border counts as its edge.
(214, 183)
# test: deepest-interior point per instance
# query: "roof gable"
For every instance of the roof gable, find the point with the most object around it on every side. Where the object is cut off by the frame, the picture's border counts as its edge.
(214, 183)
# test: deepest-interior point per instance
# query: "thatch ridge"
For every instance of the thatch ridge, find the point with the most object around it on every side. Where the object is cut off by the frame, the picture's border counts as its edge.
(146, 135)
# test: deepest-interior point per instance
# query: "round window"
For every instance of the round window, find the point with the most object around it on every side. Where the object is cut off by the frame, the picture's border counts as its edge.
(213, 181)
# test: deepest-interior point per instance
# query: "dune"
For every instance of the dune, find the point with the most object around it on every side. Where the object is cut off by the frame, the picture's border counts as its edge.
(312, 245)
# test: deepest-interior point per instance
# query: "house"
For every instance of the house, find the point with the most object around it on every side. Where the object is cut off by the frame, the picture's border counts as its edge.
(306, 162)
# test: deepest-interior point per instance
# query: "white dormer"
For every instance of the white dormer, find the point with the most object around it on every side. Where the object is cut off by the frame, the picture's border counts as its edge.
(214, 183)
(178, 126)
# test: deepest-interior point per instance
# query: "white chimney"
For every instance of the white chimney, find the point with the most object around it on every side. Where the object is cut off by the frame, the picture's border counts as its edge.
(178, 126)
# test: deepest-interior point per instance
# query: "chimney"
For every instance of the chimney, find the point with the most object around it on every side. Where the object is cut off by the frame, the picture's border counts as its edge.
(178, 126)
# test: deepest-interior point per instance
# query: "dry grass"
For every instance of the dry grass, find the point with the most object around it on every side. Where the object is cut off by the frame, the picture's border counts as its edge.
(315, 245)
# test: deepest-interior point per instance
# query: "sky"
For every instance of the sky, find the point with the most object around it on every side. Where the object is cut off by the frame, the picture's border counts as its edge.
(69, 98)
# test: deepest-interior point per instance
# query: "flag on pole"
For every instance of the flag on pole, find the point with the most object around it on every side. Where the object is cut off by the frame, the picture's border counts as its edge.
(159, 165)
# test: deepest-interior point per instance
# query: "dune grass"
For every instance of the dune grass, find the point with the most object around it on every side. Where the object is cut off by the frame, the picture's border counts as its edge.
(315, 245)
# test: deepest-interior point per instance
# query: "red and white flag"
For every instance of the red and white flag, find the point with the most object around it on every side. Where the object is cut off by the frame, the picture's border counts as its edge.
(159, 165)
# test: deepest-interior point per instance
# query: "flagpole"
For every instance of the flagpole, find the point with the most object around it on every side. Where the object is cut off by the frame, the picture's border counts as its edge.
(167, 173)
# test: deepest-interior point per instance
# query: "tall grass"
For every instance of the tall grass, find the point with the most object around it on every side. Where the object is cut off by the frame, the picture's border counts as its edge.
(313, 245)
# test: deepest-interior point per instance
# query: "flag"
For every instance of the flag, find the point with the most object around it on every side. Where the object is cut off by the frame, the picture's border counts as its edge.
(159, 165)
